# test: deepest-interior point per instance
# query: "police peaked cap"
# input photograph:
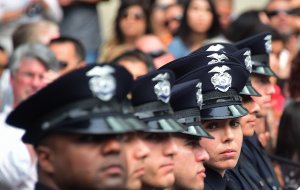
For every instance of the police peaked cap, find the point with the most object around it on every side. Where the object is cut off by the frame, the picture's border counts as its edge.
(151, 94)
(85, 101)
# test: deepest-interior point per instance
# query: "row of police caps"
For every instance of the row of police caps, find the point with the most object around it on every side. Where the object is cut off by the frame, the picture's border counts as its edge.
(206, 84)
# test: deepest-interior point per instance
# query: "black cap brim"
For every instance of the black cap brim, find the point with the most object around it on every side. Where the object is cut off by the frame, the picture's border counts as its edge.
(196, 130)
(263, 70)
(224, 112)
(248, 90)
(163, 125)
(102, 125)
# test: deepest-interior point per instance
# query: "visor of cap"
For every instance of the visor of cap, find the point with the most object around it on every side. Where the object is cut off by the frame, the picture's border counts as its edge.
(224, 112)
(163, 125)
(249, 90)
(196, 130)
(191, 121)
(263, 70)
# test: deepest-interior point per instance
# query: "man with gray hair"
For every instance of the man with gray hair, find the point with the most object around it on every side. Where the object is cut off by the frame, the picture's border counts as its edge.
(32, 66)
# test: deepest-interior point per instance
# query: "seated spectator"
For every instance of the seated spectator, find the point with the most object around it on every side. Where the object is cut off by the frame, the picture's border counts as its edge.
(4, 78)
(32, 66)
(69, 52)
(136, 62)
(36, 32)
(158, 19)
(14, 13)
(132, 22)
(199, 25)
(173, 16)
(155, 48)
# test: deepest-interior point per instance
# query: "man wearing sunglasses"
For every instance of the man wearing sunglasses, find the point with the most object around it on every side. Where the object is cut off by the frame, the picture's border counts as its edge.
(70, 53)
(278, 13)
(154, 47)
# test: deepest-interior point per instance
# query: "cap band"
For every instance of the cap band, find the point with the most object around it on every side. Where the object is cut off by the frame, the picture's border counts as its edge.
(187, 116)
(152, 109)
(258, 60)
(78, 111)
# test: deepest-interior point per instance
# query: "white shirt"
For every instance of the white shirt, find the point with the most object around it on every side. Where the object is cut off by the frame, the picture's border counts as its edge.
(17, 170)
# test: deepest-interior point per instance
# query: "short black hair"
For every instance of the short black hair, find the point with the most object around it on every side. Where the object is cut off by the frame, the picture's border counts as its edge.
(80, 51)
(136, 54)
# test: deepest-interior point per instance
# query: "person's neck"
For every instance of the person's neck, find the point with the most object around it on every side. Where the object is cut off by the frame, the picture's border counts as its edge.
(148, 187)
(131, 40)
(46, 180)
(195, 40)
(220, 172)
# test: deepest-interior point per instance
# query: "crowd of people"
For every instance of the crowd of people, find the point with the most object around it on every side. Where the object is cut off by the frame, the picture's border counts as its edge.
(184, 94)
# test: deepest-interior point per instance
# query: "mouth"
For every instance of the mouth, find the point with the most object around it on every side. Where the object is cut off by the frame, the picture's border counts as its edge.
(252, 122)
(229, 153)
(113, 170)
(201, 173)
(168, 167)
(140, 171)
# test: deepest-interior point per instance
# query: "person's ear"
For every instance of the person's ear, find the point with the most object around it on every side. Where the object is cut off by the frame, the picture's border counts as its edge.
(45, 158)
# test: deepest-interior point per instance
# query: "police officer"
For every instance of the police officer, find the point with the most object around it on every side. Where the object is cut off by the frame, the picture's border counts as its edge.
(76, 126)
(260, 46)
(151, 94)
(186, 101)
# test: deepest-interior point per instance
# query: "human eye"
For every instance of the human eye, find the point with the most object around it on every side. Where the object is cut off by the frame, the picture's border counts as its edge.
(211, 126)
(193, 143)
(87, 138)
(234, 123)
(153, 137)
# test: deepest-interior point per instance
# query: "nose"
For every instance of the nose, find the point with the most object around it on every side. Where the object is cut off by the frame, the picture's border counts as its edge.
(142, 150)
(228, 134)
(255, 108)
(201, 155)
(170, 147)
(111, 146)
(37, 81)
(270, 89)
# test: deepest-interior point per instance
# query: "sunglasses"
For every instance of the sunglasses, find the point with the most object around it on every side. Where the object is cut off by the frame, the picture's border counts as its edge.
(136, 16)
(156, 53)
(62, 64)
(276, 12)
(176, 18)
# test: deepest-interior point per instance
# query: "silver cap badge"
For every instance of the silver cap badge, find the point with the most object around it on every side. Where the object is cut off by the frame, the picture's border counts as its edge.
(163, 88)
(221, 80)
(268, 43)
(199, 95)
(248, 61)
(102, 83)
(217, 47)
(217, 58)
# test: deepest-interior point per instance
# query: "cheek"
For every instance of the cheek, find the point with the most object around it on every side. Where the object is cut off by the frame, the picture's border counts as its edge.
(239, 138)
(259, 100)
(210, 145)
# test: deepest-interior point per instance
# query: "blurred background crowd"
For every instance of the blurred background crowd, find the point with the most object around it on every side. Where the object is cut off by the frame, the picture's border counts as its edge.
(41, 40)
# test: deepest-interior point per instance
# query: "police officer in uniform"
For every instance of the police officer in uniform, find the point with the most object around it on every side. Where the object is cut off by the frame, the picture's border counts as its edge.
(151, 94)
(220, 112)
(77, 127)
(186, 101)
(260, 46)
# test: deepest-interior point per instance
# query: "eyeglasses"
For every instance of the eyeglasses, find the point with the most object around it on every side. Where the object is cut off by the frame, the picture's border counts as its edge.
(156, 53)
(276, 12)
(136, 16)
(176, 18)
